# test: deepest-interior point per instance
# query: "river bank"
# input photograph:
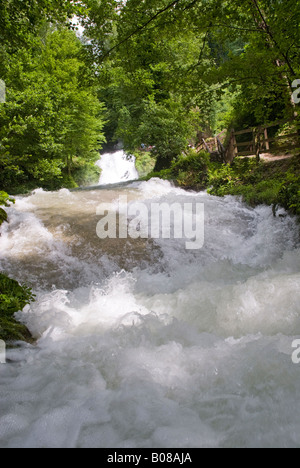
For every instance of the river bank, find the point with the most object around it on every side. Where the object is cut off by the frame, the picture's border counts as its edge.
(272, 183)
(13, 296)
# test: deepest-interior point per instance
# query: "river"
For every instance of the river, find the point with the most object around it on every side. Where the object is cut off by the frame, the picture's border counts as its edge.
(142, 343)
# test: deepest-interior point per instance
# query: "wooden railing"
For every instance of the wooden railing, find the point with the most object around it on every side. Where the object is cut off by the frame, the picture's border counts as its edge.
(214, 146)
(260, 141)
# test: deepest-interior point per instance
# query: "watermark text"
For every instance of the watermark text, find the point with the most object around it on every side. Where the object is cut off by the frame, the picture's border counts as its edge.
(296, 94)
(2, 352)
(138, 220)
(296, 353)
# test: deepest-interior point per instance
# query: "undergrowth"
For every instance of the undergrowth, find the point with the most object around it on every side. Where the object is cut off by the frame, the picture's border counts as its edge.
(13, 298)
(5, 199)
(270, 183)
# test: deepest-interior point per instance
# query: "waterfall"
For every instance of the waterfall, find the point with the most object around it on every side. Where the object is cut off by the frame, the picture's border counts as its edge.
(117, 167)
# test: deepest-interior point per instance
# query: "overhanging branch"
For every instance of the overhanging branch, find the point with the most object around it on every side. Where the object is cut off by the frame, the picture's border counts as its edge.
(140, 28)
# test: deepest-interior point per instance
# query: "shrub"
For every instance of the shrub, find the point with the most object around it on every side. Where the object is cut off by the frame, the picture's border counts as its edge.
(144, 162)
(4, 201)
(191, 170)
(289, 194)
(87, 175)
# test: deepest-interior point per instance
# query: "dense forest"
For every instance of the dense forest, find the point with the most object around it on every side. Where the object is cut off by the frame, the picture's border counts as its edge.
(150, 72)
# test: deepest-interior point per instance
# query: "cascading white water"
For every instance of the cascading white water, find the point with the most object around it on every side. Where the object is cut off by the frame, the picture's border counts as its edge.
(117, 167)
(144, 344)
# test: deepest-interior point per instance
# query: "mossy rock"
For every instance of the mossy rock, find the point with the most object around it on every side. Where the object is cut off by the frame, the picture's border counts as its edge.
(13, 298)
(3, 216)
(11, 330)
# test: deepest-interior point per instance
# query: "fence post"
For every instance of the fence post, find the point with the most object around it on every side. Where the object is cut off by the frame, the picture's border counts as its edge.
(236, 151)
(230, 153)
(221, 150)
(266, 139)
(258, 144)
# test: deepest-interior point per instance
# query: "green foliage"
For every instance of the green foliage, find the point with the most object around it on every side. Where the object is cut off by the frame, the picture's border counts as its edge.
(289, 195)
(86, 174)
(5, 199)
(166, 128)
(190, 171)
(247, 179)
(230, 62)
(167, 72)
(225, 178)
(224, 114)
(165, 174)
(52, 115)
(274, 183)
(3, 216)
(144, 162)
(262, 193)
(13, 298)
(21, 20)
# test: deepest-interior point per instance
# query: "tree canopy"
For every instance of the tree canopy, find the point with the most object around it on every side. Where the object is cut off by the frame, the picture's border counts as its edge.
(231, 61)
(52, 119)
(153, 72)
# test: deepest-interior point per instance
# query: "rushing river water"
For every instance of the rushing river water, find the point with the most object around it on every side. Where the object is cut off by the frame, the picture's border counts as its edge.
(142, 343)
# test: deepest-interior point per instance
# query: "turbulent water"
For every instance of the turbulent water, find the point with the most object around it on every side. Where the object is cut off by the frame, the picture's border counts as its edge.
(144, 344)
(117, 167)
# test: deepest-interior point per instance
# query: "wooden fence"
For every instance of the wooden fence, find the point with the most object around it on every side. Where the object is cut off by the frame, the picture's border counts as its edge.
(214, 146)
(259, 142)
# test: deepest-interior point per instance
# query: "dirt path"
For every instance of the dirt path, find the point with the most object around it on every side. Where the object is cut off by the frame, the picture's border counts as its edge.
(271, 157)
(268, 157)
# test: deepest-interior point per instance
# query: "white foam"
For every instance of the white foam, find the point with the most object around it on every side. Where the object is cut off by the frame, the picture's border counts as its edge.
(23, 233)
(117, 167)
(192, 351)
(155, 188)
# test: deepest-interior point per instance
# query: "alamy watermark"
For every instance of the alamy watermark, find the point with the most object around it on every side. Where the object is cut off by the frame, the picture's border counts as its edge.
(137, 220)
(2, 92)
(296, 353)
(2, 352)
(296, 94)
